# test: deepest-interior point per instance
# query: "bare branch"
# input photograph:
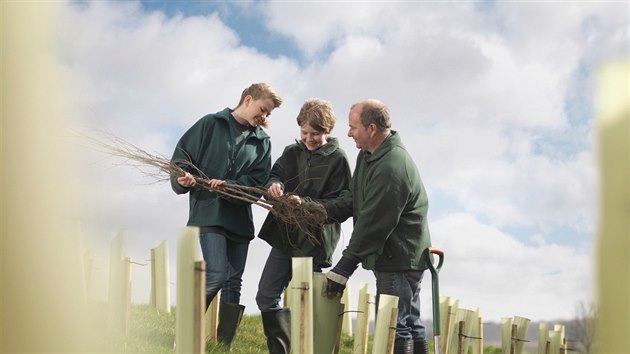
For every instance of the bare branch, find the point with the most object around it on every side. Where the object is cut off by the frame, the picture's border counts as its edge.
(307, 217)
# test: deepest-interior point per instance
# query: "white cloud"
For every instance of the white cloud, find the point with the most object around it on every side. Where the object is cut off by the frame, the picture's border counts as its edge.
(472, 92)
(487, 269)
(315, 25)
(131, 66)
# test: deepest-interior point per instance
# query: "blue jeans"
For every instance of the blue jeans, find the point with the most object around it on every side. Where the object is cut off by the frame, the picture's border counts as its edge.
(274, 279)
(225, 264)
(405, 285)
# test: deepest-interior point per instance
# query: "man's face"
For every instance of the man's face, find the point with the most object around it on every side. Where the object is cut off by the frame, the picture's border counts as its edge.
(357, 131)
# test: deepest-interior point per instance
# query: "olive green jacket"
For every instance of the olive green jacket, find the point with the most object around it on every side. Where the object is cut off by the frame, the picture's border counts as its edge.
(389, 206)
(207, 144)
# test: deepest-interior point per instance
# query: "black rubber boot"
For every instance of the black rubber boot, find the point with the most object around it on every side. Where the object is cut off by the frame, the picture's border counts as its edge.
(420, 347)
(403, 346)
(277, 326)
(229, 318)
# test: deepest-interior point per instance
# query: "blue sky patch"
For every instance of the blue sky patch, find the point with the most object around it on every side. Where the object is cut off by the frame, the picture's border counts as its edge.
(248, 23)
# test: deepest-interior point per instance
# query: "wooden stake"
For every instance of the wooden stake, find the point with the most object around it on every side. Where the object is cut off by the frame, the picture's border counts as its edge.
(469, 317)
(564, 349)
(393, 321)
(461, 338)
(199, 331)
(304, 316)
(212, 319)
(513, 343)
(547, 347)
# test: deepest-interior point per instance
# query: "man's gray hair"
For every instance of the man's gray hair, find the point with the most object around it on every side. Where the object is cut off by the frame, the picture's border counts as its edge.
(374, 111)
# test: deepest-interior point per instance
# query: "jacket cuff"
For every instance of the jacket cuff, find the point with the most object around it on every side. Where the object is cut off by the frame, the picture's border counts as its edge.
(346, 266)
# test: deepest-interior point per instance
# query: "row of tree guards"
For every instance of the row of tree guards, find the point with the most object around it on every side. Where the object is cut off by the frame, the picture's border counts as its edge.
(194, 327)
(461, 330)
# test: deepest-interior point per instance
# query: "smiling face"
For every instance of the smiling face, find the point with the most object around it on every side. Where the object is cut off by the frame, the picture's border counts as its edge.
(256, 112)
(357, 131)
(312, 137)
(255, 105)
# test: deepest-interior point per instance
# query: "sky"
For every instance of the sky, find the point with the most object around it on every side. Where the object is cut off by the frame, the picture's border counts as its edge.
(493, 100)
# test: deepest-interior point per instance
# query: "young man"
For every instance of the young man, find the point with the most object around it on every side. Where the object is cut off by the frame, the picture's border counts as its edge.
(388, 203)
(228, 147)
(314, 168)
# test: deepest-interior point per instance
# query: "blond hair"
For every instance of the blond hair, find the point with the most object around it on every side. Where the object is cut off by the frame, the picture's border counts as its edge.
(261, 91)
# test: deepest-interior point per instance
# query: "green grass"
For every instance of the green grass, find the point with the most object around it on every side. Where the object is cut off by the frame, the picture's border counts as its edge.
(150, 331)
(154, 332)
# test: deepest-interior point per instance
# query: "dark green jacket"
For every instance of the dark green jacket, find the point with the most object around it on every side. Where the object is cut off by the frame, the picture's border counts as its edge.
(315, 176)
(207, 144)
(389, 205)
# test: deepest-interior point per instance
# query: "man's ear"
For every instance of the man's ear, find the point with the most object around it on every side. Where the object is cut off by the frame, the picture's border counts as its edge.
(372, 128)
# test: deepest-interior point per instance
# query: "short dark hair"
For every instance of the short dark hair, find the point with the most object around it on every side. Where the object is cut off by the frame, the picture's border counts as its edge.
(375, 112)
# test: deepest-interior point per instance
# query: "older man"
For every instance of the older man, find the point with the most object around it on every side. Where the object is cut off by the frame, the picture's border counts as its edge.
(388, 203)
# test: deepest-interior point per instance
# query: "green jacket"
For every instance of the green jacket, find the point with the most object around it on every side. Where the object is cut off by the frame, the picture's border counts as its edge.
(208, 146)
(389, 205)
(315, 176)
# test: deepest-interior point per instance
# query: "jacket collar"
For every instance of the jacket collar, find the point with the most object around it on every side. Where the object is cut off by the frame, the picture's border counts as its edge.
(331, 145)
(258, 131)
(393, 140)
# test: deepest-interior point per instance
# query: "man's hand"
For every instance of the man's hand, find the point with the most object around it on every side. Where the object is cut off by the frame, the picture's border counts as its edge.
(335, 280)
(334, 285)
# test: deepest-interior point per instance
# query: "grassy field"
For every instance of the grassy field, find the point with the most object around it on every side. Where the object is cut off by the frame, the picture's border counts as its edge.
(153, 332)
